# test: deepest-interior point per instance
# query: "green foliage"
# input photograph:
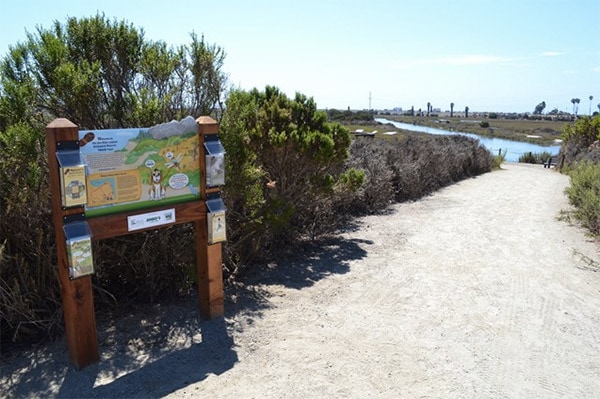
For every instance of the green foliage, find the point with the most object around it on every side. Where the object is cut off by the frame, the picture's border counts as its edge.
(581, 151)
(484, 124)
(285, 169)
(498, 159)
(103, 74)
(578, 139)
(535, 158)
(585, 129)
(539, 109)
(527, 157)
(350, 116)
(584, 194)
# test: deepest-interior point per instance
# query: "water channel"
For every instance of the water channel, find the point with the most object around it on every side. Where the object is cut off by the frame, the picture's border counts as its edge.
(513, 149)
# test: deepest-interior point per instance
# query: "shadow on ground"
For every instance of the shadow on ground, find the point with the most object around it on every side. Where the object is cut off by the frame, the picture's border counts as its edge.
(164, 348)
(301, 269)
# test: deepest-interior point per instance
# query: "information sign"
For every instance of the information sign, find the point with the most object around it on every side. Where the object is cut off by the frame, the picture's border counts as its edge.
(130, 169)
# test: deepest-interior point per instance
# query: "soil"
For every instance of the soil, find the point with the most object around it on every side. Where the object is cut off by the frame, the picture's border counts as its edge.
(482, 290)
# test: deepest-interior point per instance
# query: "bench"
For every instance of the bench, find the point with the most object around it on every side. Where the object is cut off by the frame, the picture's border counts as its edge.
(552, 161)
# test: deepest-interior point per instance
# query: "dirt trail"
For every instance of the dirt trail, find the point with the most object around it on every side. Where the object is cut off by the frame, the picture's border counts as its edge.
(477, 291)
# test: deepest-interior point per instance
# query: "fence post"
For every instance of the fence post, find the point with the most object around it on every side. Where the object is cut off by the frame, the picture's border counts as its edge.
(78, 301)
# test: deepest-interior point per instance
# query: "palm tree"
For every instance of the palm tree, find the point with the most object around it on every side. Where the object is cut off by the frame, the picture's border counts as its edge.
(452, 109)
(575, 102)
(428, 106)
(466, 112)
(591, 98)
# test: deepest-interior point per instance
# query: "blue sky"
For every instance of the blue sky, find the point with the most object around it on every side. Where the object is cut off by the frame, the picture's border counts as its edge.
(489, 55)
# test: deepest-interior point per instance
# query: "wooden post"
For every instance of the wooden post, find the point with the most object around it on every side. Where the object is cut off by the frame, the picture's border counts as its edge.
(210, 269)
(78, 301)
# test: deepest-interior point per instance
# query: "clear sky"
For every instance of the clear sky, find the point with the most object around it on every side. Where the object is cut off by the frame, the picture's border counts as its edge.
(489, 55)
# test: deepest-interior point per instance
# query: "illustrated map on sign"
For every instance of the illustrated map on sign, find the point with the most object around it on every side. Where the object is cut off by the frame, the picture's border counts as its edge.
(139, 168)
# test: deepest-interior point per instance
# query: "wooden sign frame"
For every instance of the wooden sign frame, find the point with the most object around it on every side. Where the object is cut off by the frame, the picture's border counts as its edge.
(77, 295)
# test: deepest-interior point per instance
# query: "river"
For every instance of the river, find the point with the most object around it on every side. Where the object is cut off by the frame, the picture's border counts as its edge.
(513, 149)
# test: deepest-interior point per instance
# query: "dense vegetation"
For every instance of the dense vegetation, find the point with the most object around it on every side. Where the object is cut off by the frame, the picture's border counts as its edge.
(286, 171)
(99, 74)
(350, 116)
(581, 155)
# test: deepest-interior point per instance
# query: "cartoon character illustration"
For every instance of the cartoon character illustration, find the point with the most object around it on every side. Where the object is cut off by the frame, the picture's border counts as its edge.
(157, 191)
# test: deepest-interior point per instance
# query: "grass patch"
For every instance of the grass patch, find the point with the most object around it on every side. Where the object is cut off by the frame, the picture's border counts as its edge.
(584, 195)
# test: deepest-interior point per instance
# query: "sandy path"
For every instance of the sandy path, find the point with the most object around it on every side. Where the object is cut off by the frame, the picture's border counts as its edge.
(475, 292)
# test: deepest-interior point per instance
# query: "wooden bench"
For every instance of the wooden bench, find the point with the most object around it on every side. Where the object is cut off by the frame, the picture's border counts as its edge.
(552, 161)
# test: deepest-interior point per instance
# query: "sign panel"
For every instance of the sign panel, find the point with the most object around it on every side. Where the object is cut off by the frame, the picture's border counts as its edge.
(130, 169)
(150, 219)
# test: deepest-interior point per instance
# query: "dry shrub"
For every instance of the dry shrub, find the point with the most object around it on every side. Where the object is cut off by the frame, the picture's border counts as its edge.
(145, 267)
(408, 169)
(29, 293)
(377, 192)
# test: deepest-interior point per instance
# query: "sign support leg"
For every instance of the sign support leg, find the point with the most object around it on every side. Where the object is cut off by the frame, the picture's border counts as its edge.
(210, 274)
(78, 301)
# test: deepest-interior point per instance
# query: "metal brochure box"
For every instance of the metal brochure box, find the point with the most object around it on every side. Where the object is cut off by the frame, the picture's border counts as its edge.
(79, 249)
(72, 178)
(217, 228)
(215, 161)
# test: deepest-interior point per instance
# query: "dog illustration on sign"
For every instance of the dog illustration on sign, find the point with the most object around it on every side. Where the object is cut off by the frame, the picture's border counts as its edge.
(157, 191)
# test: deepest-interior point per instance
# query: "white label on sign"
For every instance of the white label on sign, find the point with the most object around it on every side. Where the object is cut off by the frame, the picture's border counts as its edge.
(151, 219)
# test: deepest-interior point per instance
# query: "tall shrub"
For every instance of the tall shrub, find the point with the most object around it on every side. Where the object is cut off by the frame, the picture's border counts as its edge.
(286, 164)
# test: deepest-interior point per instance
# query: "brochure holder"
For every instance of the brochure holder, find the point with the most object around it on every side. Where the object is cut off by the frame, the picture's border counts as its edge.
(79, 249)
(215, 161)
(72, 176)
(217, 229)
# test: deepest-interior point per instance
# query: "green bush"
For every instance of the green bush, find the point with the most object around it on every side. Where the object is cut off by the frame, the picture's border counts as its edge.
(579, 139)
(584, 195)
(286, 171)
(535, 157)
(527, 157)
(498, 159)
